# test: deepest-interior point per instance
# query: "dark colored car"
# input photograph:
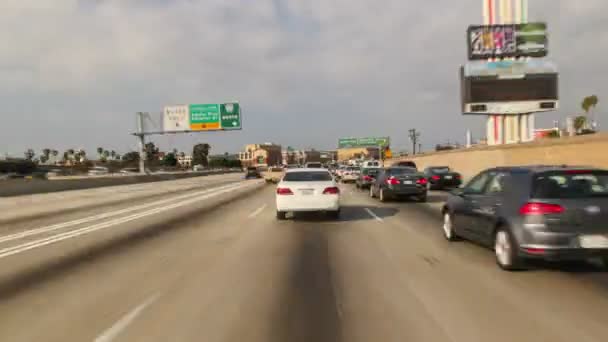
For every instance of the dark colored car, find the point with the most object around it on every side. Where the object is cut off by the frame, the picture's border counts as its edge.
(534, 212)
(442, 177)
(407, 163)
(367, 177)
(252, 172)
(399, 182)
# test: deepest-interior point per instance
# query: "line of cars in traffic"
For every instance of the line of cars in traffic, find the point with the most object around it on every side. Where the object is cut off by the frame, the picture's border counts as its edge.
(315, 189)
(523, 213)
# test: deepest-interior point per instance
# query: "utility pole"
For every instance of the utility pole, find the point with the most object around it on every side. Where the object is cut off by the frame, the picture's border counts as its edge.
(142, 144)
(414, 138)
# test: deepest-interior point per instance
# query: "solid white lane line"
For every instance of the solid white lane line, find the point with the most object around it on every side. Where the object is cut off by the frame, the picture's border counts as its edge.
(120, 325)
(85, 230)
(372, 214)
(257, 211)
(50, 228)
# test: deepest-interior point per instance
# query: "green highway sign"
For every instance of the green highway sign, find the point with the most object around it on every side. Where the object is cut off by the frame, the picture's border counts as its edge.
(204, 117)
(363, 142)
(230, 116)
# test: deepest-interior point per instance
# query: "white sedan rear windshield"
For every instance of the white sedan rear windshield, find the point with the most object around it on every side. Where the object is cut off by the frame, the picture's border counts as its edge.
(307, 176)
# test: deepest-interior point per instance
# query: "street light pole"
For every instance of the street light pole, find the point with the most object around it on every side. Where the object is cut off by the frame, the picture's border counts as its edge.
(142, 144)
(414, 138)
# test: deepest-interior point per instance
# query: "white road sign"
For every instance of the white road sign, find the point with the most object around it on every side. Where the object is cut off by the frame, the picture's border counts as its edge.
(176, 118)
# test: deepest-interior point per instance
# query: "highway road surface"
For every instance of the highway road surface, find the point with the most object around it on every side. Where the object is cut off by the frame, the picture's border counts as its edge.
(213, 264)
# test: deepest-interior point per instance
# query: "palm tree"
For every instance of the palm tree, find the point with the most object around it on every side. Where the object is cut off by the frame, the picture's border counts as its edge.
(99, 151)
(175, 152)
(113, 154)
(588, 104)
(29, 154)
(46, 152)
(106, 154)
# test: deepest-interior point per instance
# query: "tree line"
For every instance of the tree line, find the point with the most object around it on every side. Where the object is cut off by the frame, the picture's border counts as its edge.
(200, 154)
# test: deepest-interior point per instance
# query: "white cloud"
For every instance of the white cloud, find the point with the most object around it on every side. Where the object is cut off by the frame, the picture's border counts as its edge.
(305, 71)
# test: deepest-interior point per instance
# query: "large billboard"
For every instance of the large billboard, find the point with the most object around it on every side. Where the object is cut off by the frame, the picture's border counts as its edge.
(202, 117)
(363, 142)
(513, 40)
(509, 87)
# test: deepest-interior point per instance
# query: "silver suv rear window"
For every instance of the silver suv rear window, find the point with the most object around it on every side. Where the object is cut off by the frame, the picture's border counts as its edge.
(570, 184)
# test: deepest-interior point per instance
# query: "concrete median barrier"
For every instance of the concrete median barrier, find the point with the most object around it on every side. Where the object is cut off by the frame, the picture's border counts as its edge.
(18, 187)
(589, 150)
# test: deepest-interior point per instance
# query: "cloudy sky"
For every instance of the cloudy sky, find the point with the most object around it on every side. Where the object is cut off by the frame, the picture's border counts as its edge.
(73, 73)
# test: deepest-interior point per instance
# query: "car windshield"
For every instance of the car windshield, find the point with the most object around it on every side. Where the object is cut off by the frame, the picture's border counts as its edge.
(307, 176)
(401, 171)
(440, 170)
(571, 184)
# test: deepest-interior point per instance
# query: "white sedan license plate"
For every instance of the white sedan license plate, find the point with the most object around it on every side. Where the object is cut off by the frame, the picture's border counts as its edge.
(593, 241)
(307, 192)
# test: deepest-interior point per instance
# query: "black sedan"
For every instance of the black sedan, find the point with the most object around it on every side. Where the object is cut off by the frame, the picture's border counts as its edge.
(367, 177)
(442, 177)
(399, 182)
(537, 212)
(252, 172)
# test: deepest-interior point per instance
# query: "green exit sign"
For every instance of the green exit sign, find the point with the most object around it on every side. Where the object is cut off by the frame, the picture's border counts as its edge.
(230, 116)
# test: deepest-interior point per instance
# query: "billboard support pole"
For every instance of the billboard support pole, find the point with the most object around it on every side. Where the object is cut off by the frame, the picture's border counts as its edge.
(142, 144)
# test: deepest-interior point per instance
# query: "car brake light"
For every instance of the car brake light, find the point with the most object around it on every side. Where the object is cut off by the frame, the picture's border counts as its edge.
(284, 191)
(436, 177)
(331, 191)
(367, 178)
(457, 176)
(534, 250)
(392, 181)
(422, 181)
(540, 209)
(578, 172)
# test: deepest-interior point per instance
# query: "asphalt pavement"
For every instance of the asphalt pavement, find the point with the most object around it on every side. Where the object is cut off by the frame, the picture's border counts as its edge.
(215, 265)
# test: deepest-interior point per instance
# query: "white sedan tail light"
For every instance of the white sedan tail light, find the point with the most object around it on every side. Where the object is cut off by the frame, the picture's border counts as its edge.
(331, 191)
(284, 191)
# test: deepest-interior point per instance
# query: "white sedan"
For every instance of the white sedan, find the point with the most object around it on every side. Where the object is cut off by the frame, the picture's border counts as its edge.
(307, 190)
(351, 174)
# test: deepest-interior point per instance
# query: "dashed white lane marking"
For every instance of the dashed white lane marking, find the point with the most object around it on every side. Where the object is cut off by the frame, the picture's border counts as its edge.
(372, 214)
(86, 230)
(50, 228)
(120, 325)
(257, 211)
